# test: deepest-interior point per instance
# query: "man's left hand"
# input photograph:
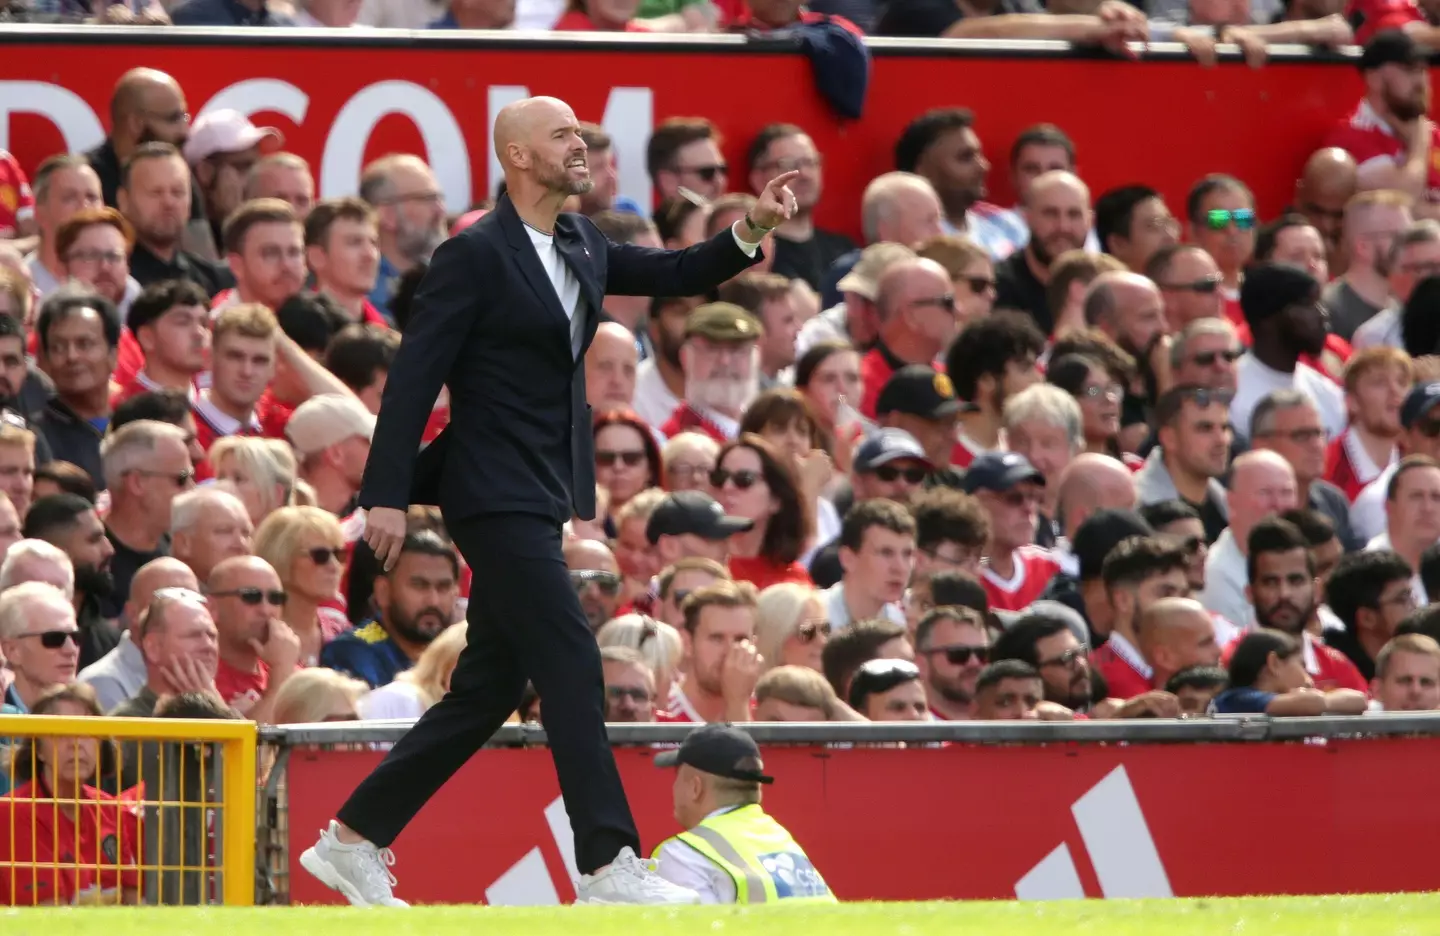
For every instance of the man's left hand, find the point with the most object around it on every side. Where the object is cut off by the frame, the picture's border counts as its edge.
(776, 203)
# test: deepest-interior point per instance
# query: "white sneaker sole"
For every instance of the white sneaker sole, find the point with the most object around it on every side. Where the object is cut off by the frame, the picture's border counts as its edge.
(327, 874)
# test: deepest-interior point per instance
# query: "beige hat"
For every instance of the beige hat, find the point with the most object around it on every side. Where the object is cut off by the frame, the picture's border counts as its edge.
(328, 419)
(864, 277)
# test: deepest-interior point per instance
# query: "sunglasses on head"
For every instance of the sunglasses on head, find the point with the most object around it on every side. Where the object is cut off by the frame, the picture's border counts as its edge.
(607, 582)
(1208, 358)
(809, 630)
(1203, 286)
(1219, 219)
(254, 596)
(55, 639)
(962, 654)
(321, 555)
(890, 473)
(744, 480)
(606, 459)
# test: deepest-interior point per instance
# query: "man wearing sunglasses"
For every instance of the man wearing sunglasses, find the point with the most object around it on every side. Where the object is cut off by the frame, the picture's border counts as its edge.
(952, 646)
(596, 577)
(1222, 218)
(1189, 282)
(1016, 571)
(41, 641)
(918, 320)
(258, 651)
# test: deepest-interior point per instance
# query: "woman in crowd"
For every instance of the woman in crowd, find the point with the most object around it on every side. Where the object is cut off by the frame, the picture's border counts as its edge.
(753, 481)
(783, 418)
(93, 828)
(1268, 677)
(689, 458)
(306, 547)
(972, 274)
(634, 552)
(319, 695)
(829, 376)
(658, 643)
(791, 628)
(627, 460)
(262, 470)
(414, 691)
(1099, 395)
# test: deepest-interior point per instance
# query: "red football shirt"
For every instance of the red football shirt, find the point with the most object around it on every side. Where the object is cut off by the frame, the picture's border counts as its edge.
(17, 202)
(239, 689)
(875, 370)
(1117, 662)
(1328, 668)
(1348, 467)
(1034, 568)
(1367, 17)
(106, 838)
(1369, 139)
(763, 573)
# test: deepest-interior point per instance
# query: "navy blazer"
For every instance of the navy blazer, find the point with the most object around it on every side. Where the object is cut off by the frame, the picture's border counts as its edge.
(488, 325)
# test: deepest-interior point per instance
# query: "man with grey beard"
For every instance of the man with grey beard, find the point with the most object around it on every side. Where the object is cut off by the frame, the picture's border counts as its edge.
(722, 371)
(411, 211)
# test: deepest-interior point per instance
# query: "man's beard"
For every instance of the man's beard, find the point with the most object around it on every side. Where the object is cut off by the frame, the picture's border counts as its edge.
(411, 628)
(1405, 109)
(951, 691)
(556, 178)
(1264, 620)
(94, 581)
(1043, 254)
(417, 244)
(728, 395)
(669, 346)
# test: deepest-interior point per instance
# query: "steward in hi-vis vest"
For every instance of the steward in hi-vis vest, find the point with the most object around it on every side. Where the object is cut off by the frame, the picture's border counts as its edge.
(730, 851)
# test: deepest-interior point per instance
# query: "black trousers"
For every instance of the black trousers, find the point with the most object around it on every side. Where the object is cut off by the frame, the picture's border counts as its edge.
(525, 622)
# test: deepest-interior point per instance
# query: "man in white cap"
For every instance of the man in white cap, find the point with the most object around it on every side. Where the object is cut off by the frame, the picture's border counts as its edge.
(331, 434)
(222, 149)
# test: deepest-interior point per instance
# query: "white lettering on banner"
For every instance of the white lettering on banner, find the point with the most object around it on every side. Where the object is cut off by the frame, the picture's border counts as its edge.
(1119, 843)
(254, 95)
(629, 115)
(527, 883)
(64, 108)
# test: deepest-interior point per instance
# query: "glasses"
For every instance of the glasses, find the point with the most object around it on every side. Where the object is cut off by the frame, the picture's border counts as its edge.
(809, 630)
(689, 472)
(962, 654)
(979, 284)
(55, 639)
(607, 459)
(1300, 436)
(1205, 396)
(947, 301)
(178, 478)
(253, 596)
(1067, 659)
(1219, 219)
(112, 257)
(1209, 358)
(1016, 498)
(321, 555)
(892, 473)
(633, 693)
(1202, 286)
(707, 173)
(607, 582)
(1111, 392)
(744, 480)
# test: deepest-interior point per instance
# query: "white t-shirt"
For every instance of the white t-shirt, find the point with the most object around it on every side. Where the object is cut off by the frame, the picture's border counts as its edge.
(399, 699)
(1255, 381)
(563, 281)
(1367, 515)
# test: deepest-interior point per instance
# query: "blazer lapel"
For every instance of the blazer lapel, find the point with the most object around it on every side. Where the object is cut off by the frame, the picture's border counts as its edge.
(529, 263)
(571, 244)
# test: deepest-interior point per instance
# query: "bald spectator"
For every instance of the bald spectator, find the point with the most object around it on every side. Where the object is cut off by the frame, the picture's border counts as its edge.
(1189, 281)
(147, 464)
(71, 523)
(610, 365)
(284, 176)
(178, 638)
(34, 560)
(901, 208)
(1060, 217)
(1132, 223)
(258, 652)
(38, 637)
(1127, 308)
(121, 673)
(1407, 675)
(597, 580)
(1261, 484)
(1324, 188)
(1089, 484)
(1175, 634)
(1287, 422)
(331, 434)
(1372, 222)
(1194, 435)
(410, 209)
(1412, 510)
(207, 526)
(916, 305)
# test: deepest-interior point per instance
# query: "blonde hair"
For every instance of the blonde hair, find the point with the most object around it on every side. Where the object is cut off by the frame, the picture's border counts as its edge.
(17, 437)
(683, 442)
(431, 673)
(248, 320)
(798, 685)
(640, 507)
(277, 541)
(777, 617)
(658, 642)
(267, 462)
(311, 694)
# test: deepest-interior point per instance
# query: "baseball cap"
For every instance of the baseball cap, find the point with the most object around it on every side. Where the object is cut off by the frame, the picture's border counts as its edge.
(864, 277)
(721, 750)
(324, 420)
(693, 512)
(1391, 47)
(918, 390)
(999, 471)
(886, 446)
(1270, 288)
(722, 321)
(225, 131)
(1101, 532)
(1418, 403)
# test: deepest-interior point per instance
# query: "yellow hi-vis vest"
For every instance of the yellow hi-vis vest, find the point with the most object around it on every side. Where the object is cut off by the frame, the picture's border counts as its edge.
(765, 863)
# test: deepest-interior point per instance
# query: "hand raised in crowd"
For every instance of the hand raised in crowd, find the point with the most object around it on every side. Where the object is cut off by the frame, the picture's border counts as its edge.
(776, 203)
(280, 651)
(186, 674)
(384, 533)
(1157, 704)
(738, 676)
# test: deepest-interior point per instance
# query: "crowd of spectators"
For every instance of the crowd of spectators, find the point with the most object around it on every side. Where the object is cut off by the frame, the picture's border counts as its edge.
(1092, 456)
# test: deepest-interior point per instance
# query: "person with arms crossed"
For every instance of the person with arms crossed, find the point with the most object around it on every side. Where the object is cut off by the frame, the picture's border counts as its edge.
(516, 463)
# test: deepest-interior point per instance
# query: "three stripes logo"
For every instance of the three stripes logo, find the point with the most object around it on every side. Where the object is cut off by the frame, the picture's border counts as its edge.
(527, 882)
(1119, 844)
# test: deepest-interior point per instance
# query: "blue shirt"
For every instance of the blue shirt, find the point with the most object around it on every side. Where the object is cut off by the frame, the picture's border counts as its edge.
(367, 653)
(1243, 700)
(385, 282)
(224, 13)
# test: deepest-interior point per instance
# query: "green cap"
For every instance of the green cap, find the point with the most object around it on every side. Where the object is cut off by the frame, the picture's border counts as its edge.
(723, 321)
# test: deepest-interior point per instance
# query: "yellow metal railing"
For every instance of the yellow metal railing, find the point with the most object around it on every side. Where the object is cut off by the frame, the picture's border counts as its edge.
(165, 771)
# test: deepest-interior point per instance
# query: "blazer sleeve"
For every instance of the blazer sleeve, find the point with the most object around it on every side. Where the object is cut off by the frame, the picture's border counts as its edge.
(446, 306)
(650, 271)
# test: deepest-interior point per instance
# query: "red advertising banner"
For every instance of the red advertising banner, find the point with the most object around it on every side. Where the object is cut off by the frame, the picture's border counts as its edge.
(959, 822)
(343, 101)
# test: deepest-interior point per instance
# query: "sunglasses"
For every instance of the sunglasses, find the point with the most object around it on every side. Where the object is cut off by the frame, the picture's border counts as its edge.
(890, 473)
(809, 630)
(946, 301)
(1017, 498)
(55, 639)
(961, 654)
(634, 694)
(1208, 358)
(707, 173)
(744, 480)
(607, 582)
(1204, 396)
(687, 472)
(628, 459)
(253, 596)
(979, 284)
(1067, 659)
(321, 555)
(1219, 219)
(178, 478)
(1203, 286)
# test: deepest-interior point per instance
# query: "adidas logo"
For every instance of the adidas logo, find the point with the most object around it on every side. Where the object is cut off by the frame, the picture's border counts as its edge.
(1118, 842)
(527, 882)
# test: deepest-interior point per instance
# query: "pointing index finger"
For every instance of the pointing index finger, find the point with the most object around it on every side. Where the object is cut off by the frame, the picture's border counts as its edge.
(784, 178)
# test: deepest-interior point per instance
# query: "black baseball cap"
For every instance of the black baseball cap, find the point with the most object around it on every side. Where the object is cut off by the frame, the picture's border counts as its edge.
(694, 512)
(999, 471)
(1391, 47)
(1101, 532)
(719, 749)
(1418, 403)
(918, 390)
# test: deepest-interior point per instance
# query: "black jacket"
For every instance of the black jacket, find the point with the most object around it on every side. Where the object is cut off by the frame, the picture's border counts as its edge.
(70, 438)
(488, 325)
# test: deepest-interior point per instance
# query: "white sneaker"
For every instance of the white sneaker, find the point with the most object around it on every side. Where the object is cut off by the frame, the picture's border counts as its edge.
(629, 880)
(361, 872)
